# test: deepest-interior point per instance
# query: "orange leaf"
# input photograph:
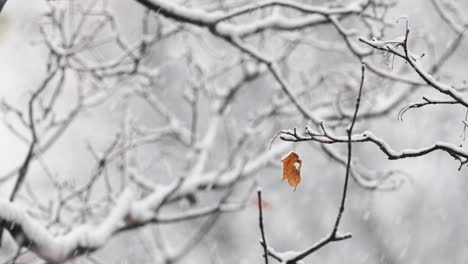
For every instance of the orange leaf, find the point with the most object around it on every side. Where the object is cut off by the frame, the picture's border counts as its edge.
(292, 169)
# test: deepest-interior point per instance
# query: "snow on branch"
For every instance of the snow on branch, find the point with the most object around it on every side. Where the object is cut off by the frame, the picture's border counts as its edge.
(128, 213)
(412, 59)
(33, 234)
(327, 137)
(211, 19)
(220, 25)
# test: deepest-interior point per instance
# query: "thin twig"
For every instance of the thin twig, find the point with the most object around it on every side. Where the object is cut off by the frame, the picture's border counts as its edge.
(334, 235)
(262, 230)
(349, 131)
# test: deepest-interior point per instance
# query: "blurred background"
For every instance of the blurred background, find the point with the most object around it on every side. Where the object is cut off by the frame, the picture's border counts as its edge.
(417, 214)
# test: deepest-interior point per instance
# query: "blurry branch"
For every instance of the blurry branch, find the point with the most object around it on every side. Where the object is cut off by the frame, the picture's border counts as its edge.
(129, 212)
(279, 78)
(43, 119)
(426, 101)
(369, 179)
(314, 15)
(196, 180)
(450, 19)
(347, 35)
(2, 4)
(23, 170)
(79, 202)
(213, 217)
(44, 102)
(219, 25)
(393, 76)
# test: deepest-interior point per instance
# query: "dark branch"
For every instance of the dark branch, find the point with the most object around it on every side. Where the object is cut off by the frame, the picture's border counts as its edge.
(334, 235)
(262, 230)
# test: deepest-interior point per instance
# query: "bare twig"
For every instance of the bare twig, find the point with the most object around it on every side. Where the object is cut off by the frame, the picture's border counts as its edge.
(262, 230)
(334, 234)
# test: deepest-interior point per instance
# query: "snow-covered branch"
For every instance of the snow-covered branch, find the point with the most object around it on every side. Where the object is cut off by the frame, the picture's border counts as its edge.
(129, 212)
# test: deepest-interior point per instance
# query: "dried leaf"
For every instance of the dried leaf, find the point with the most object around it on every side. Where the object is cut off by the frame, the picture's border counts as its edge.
(292, 169)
